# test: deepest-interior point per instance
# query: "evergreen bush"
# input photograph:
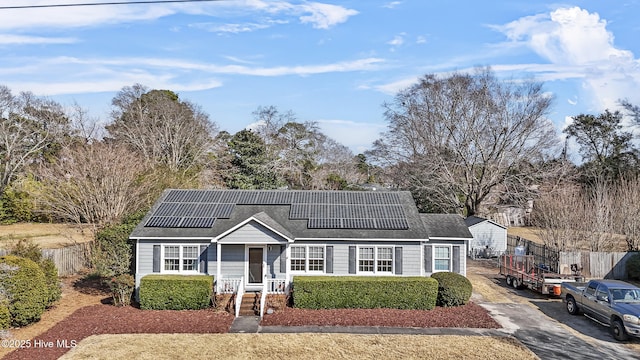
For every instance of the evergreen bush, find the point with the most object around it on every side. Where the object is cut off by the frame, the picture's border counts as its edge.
(175, 292)
(360, 292)
(453, 289)
(27, 290)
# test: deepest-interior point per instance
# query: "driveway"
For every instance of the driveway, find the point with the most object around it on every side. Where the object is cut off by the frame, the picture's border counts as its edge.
(544, 326)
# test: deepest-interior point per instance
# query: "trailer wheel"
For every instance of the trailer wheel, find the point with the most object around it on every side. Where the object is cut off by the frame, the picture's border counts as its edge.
(516, 283)
(618, 331)
(509, 281)
(572, 307)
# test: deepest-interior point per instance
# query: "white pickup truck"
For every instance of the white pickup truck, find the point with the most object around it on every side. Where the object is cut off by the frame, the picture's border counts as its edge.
(612, 303)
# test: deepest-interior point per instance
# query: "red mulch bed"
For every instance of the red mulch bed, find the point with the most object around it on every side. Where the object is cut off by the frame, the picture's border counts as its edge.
(109, 319)
(466, 316)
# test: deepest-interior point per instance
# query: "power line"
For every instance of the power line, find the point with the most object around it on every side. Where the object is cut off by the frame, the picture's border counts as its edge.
(101, 3)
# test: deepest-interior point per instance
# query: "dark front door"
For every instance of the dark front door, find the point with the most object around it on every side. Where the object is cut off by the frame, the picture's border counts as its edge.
(255, 265)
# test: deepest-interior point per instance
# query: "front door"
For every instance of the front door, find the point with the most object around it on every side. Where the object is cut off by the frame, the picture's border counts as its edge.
(255, 275)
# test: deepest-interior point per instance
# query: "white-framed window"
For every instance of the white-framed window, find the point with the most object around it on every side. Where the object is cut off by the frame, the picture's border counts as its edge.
(375, 259)
(307, 258)
(179, 258)
(441, 258)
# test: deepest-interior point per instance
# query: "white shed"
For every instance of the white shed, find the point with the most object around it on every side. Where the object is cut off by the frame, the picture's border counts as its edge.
(489, 237)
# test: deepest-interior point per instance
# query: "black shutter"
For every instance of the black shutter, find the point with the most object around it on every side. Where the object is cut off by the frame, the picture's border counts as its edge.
(352, 259)
(398, 261)
(427, 259)
(203, 258)
(156, 258)
(283, 259)
(329, 259)
(456, 259)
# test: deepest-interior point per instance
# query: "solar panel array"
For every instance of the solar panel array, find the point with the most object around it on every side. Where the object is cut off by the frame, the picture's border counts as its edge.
(322, 210)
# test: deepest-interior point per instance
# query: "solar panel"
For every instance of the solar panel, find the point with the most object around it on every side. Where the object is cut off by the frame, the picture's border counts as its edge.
(185, 209)
(197, 222)
(358, 224)
(324, 224)
(392, 224)
(165, 209)
(163, 221)
(223, 211)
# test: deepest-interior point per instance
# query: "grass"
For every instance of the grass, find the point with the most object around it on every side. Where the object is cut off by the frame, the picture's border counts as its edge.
(47, 236)
(297, 346)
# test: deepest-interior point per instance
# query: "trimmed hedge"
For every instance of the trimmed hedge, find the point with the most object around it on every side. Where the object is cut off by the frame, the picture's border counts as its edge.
(364, 292)
(175, 292)
(5, 316)
(453, 289)
(28, 249)
(27, 289)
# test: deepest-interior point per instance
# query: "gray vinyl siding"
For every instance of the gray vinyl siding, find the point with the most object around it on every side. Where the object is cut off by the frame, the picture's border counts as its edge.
(252, 233)
(462, 257)
(144, 256)
(232, 257)
(411, 260)
(273, 262)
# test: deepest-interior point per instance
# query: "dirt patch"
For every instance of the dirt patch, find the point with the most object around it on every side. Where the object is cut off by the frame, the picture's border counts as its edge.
(47, 236)
(298, 346)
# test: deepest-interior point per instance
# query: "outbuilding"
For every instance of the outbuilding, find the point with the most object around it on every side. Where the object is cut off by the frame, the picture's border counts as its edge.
(489, 237)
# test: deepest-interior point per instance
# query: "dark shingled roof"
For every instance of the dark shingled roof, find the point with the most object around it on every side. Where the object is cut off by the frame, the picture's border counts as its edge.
(473, 220)
(297, 214)
(446, 226)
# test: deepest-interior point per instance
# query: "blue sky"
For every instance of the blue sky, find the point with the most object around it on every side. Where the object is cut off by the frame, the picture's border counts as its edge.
(333, 62)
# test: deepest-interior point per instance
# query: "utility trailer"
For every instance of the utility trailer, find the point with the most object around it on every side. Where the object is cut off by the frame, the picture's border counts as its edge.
(521, 271)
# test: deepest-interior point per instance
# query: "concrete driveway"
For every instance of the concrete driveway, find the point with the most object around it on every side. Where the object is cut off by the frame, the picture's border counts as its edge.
(543, 325)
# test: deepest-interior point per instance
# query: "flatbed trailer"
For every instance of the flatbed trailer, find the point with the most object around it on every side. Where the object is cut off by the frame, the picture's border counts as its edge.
(521, 272)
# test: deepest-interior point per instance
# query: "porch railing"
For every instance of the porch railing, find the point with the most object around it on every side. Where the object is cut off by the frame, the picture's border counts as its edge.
(239, 295)
(228, 286)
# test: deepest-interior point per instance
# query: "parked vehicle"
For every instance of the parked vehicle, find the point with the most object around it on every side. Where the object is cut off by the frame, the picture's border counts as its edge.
(612, 303)
(521, 271)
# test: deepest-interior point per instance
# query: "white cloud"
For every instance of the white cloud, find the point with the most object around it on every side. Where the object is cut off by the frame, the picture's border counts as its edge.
(324, 16)
(397, 40)
(229, 28)
(577, 44)
(7, 39)
(393, 88)
(421, 39)
(392, 5)
(47, 76)
(319, 15)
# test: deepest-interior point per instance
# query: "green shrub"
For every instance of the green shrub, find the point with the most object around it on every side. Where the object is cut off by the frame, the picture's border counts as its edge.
(175, 292)
(30, 250)
(121, 289)
(26, 288)
(112, 252)
(453, 289)
(633, 267)
(50, 271)
(5, 316)
(359, 292)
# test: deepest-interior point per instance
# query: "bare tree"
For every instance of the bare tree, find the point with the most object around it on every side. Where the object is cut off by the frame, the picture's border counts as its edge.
(456, 139)
(29, 128)
(556, 214)
(163, 129)
(626, 216)
(94, 183)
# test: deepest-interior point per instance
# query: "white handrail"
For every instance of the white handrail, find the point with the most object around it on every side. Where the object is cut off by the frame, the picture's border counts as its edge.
(263, 297)
(239, 296)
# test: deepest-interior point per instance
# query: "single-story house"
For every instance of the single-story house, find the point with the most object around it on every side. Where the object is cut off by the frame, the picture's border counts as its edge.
(263, 238)
(489, 237)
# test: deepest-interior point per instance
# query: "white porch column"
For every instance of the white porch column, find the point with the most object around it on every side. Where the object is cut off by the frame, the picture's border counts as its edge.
(287, 276)
(218, 263)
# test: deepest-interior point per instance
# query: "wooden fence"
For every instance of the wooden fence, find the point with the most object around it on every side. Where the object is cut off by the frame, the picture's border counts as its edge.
(69, 260)
(603, 265)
